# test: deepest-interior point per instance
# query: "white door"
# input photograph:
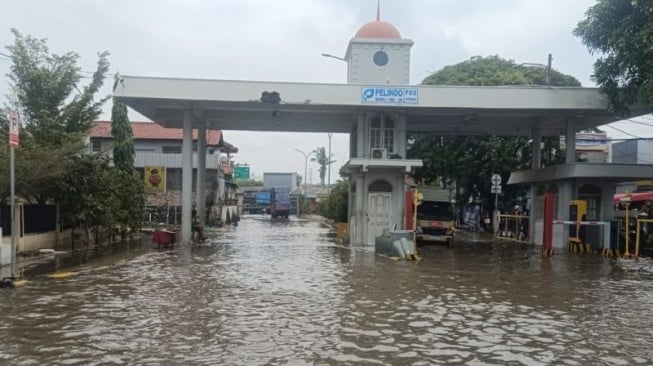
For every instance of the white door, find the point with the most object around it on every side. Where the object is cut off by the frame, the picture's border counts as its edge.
(379, 215)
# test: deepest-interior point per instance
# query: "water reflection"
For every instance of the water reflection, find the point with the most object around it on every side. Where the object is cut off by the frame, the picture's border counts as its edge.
(284, 293)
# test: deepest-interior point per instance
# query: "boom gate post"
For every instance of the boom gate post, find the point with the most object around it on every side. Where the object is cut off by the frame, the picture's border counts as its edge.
(547, 240)
(409, 223)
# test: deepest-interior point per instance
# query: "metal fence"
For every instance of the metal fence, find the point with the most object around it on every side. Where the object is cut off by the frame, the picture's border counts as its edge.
(513, 227)
(169, 215)
(37, 219)
(644, 238)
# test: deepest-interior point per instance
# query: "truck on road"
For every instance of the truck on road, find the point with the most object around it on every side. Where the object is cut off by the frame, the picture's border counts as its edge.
(435, 216)
(279, 202)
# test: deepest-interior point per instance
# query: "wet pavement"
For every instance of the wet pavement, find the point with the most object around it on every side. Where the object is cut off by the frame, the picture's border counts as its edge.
(284, 293)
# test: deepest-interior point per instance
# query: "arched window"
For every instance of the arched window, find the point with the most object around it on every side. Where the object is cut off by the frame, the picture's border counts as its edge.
(592, 195)
(382, 133)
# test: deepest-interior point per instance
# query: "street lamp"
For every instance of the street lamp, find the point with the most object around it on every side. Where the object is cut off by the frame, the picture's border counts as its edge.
(329, 162)
(547, 67)
(332, 56)
(305, 167)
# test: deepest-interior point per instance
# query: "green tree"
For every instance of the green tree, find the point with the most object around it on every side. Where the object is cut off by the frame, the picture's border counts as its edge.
(471, 160)
(123, 137)
(52, 164)
(44, 84)
(56, 113)
(127, 200)
(621, 33)
(323, 161)
(335, 206)
(85, 193)
(127, 203)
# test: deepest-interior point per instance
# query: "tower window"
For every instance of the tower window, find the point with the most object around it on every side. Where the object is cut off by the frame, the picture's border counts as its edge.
(380, 58)
(382, 133)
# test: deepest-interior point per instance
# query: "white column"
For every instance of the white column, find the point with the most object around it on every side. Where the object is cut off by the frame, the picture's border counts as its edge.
(570, 142)
(187, 178)
(565, 195)
(359, 212)
(536, 135)
(400, 131)
(361, 144)
(201, 173)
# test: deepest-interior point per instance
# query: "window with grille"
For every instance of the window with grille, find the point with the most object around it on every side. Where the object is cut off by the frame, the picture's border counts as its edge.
(382, 132)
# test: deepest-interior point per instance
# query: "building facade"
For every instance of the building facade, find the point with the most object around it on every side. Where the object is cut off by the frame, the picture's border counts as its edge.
(158, 149)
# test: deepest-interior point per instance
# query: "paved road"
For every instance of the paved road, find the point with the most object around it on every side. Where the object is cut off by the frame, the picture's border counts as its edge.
(283, 293)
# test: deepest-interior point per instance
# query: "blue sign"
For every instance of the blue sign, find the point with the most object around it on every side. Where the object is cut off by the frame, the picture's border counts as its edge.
(389, 95)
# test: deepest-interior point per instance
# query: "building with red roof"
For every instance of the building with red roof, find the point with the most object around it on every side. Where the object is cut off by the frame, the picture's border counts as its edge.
(158, 147)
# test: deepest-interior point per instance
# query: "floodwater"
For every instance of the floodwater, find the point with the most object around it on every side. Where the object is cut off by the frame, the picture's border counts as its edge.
(284, 293)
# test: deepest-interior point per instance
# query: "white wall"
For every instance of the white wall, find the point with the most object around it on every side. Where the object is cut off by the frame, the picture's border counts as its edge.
(363, 70)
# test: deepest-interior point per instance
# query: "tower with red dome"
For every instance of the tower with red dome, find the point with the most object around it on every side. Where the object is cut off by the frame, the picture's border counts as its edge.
(378, 55)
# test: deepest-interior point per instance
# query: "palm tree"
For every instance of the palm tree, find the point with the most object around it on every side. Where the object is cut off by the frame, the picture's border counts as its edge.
(324, 161)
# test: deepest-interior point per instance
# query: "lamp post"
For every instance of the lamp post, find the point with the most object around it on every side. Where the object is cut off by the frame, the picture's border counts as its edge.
(332, 56)
(305, 167)
(546, 67)
(627, 198)
(329, 162)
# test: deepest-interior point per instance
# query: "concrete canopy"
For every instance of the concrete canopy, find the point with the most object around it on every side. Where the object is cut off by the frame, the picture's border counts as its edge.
(304, 107)
(595, 171)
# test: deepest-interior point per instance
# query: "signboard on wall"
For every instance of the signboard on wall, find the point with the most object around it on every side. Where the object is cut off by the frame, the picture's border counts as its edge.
(592, 141)
(389, 95)
(155, 179)
(241, 172)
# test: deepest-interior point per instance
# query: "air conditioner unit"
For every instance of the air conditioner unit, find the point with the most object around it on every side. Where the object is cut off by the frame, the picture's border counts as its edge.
(378, 153)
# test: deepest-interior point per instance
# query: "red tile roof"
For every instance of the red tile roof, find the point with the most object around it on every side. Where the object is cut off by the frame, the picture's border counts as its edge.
(152, 131)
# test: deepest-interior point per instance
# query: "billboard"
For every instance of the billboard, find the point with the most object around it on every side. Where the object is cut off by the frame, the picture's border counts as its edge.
(241, 172)
(155, 179)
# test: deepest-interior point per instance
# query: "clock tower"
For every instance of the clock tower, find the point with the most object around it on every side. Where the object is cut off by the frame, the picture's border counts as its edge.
(377, 55)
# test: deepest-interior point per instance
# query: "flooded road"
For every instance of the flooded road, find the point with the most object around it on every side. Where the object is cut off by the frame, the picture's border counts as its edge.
(284, 293)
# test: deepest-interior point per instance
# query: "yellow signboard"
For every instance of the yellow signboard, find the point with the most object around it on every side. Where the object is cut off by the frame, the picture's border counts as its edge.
(155, 179)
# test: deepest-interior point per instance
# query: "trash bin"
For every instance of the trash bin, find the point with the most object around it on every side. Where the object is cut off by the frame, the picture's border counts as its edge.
(383, 244)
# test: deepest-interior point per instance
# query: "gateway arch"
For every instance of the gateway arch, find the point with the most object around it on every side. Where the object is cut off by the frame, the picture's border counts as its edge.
(378, 108)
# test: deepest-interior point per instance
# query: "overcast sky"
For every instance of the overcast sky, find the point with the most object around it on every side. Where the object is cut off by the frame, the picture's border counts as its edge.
(282, 40)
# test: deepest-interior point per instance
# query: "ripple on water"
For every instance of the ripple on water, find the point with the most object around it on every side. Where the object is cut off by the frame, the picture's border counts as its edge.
(287, 294)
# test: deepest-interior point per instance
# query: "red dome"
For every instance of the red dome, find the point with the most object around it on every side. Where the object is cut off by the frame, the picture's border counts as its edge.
(378, 29)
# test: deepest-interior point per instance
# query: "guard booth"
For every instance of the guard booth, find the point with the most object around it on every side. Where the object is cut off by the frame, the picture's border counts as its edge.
(577, 232)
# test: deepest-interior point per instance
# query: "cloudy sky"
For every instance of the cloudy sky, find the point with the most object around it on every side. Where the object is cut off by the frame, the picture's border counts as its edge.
(283, 40)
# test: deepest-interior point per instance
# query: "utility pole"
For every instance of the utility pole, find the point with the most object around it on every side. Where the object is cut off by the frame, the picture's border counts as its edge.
(329, 162)
(548, 70)
(14, 128)
(305, 168)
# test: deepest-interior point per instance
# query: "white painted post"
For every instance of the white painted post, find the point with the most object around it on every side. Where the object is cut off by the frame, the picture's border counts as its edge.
(187, 178)
(201, 174)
